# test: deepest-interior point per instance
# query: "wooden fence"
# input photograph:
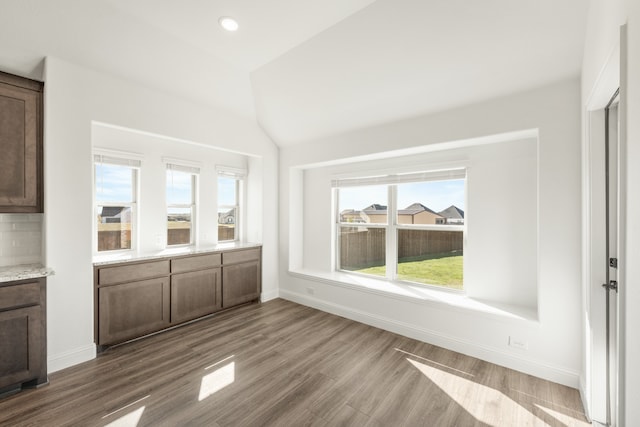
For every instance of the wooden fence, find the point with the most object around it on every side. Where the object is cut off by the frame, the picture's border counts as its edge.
(226, 232)
(178, 236)
(114, 239)
(121, 239)
(362, 247)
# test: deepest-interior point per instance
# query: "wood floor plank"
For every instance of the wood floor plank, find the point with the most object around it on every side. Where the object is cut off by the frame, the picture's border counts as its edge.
(348, 416)
(283, 364)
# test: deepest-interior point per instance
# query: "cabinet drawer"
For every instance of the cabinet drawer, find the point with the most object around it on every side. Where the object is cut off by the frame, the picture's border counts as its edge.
(198, 262)
(130, 273)
(240, 256)
(19, 295)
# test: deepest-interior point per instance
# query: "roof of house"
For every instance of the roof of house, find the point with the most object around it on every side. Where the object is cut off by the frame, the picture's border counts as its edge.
(111, 211)
(375, 207)
(452, 212)
(230, 212)
(413, 209)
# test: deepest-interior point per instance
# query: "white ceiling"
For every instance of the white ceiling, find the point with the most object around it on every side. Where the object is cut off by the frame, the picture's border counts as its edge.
(305, 69)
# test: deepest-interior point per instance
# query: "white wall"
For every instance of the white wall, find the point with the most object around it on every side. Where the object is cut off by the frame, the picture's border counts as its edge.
(554, 339)
(74, 98)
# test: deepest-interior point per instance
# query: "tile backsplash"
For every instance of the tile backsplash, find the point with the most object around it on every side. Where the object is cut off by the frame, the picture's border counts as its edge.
(20, 239)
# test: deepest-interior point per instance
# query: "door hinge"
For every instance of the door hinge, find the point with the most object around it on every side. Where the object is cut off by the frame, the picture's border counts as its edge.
(613, 284)
(613, 262)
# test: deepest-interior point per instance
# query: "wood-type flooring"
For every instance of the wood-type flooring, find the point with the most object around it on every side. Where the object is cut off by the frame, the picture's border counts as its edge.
(284, 364)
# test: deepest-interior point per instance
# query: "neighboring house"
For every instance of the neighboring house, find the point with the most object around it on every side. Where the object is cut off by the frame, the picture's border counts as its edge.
(115, 215)
(453, 215)
(228, 217)
(416, 213)
(375, 214)
(351, 215)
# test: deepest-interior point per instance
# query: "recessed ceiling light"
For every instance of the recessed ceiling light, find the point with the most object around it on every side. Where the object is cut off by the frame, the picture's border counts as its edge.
(228, 23)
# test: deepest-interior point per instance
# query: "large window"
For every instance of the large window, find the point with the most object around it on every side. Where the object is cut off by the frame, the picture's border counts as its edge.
(181, 204)
(403, 227)
(116, 183)
(229, 207)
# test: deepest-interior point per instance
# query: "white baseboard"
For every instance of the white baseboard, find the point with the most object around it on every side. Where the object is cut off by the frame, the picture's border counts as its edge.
(64, 360)
(267, 296)
(583, 397)
(532, 367)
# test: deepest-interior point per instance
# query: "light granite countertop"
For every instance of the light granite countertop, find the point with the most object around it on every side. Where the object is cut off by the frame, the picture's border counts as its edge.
(120, 257)
(24, 272)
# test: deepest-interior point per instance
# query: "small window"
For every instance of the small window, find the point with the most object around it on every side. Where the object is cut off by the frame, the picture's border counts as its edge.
(181, 204)
(116, 183)
(229, 204)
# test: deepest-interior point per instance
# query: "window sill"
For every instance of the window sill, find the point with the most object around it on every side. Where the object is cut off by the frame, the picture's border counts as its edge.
(418, 294)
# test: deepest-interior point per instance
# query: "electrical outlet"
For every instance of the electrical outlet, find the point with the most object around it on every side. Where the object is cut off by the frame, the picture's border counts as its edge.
(311, 291)
(518, 343)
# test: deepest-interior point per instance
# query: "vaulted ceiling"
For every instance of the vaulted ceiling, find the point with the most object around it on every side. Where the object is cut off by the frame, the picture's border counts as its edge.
(305, 69)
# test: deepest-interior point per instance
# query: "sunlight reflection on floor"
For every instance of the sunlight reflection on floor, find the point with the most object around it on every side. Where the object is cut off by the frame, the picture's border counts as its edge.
(218, 379)
(415, 356)
(489, 405)
(129, 420)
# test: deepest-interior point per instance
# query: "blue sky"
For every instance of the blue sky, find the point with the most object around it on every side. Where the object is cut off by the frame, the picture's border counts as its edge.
(113, 183)
(436, 195)
(226, 191)
(178, 188)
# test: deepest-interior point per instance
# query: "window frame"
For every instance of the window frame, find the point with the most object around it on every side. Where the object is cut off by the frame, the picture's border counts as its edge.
(239, 175)
(195, 173)
(392, 226)
(116, 158)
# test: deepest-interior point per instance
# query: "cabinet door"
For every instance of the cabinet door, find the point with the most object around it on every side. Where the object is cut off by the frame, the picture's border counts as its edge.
(21, 336)
(132, 309)
(21, 145)
(240, 283)
(195, 294)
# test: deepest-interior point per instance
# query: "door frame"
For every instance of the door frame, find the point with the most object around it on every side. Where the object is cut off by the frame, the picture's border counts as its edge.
(593, 378)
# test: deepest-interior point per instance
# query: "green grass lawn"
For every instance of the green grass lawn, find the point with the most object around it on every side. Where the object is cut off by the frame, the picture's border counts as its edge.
(438, 269)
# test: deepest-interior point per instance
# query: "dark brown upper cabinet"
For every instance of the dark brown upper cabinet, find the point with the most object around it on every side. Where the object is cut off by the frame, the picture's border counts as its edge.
(21, 177)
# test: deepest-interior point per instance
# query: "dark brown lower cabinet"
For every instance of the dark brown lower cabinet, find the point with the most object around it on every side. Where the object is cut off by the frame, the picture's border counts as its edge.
(130, 310)
(195, 294)
(137, 298)
(241, 283)
(23, 336)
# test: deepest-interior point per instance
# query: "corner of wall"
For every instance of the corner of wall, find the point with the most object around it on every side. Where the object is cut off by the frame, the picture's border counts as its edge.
(71, 357)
